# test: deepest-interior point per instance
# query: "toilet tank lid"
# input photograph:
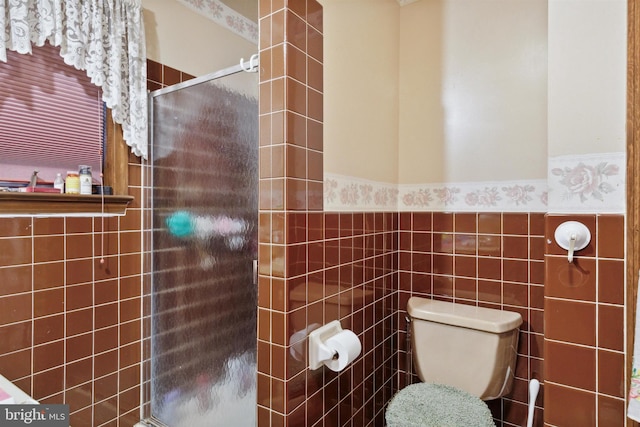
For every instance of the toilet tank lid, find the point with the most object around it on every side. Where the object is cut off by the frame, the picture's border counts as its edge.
(466, 316)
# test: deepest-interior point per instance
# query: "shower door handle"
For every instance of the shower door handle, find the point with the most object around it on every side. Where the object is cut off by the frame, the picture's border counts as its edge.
(255, 271)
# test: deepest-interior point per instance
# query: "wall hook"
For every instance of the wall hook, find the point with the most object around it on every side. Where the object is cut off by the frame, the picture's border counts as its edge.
(572, 236)
(252, 65)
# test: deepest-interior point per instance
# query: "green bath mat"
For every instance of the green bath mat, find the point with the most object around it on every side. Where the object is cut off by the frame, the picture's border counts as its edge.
(437, 405)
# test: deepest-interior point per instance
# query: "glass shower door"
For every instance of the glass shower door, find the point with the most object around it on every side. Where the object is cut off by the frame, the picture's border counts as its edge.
(205, 205)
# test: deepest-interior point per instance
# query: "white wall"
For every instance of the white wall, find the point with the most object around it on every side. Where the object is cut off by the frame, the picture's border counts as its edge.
(587, 76)
(473, 86)
(361, 88)
(182, 39)
(587, 106)
(502, 105)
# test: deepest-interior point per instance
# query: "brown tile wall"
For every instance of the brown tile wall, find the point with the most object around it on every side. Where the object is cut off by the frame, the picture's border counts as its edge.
(585, 380)
(291, 169)
(306, 260)
(341, 266)
(159, 75)
(70, 324)
(493, 260)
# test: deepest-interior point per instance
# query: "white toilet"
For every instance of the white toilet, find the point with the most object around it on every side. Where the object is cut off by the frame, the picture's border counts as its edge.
(463, 355)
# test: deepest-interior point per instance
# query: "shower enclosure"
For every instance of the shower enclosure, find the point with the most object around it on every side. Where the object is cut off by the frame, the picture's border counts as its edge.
(204, 157)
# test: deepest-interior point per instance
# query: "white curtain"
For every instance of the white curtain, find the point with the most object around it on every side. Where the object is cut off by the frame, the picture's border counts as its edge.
(103, 37)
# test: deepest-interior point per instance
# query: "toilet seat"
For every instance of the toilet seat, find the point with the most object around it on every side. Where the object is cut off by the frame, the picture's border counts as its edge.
(437, 405)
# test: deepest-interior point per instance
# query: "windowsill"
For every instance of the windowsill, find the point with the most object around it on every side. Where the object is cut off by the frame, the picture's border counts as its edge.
(48, 205)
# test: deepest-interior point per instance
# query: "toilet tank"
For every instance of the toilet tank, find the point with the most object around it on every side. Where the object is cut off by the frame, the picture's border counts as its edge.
(471, 348)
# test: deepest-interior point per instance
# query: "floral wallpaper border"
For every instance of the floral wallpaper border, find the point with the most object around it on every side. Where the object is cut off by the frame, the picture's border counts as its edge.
(346, 193)
(223, 15)
(587, 183)
(488, 196)
(342, 193)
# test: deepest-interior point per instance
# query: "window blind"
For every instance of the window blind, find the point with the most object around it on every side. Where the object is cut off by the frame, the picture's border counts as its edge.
(51, 117)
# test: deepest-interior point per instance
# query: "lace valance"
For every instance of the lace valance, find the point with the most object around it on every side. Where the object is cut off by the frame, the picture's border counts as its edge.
(103, 37)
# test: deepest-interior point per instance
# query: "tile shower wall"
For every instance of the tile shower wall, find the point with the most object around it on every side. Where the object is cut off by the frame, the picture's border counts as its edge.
(488, 259)
(585, 379)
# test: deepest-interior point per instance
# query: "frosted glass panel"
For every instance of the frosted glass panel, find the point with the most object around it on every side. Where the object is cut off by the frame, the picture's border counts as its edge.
(205, 207)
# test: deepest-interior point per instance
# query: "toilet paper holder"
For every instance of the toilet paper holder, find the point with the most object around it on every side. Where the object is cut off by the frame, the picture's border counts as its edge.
(318, 350)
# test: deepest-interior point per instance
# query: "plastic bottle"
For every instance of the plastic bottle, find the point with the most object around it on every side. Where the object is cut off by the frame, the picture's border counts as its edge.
(59, 183)
(72, 183)
(86, 179)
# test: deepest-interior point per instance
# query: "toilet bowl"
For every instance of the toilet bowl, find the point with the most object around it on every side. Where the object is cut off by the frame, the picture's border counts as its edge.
(463, 355)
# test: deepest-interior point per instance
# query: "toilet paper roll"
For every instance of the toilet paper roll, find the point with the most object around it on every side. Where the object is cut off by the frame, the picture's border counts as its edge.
(347, 346)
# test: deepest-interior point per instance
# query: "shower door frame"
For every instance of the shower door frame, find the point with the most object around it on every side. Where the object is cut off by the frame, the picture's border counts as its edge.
(147, 418)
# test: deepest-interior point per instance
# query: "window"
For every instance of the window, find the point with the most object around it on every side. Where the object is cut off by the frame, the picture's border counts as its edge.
(52, 118)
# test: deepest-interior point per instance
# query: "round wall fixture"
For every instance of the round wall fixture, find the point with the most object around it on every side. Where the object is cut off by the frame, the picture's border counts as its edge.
(572, 236)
